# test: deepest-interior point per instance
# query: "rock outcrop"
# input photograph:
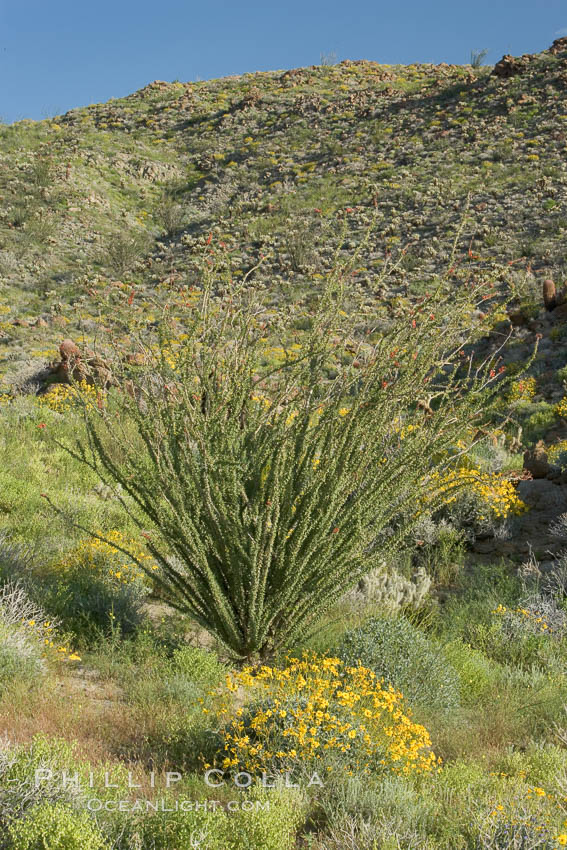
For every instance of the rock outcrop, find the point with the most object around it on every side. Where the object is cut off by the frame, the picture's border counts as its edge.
(73, 365)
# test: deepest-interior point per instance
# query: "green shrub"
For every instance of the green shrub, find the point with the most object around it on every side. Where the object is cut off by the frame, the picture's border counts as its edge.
(24, 630)
(124, 250)
(536, 419)
(55, 827)
(19, 793)
(406, 658)
(443, 557)
(87, 604)
(540, 764)
(264, 830)
(262, 497)
(20, 658)
(198, 665)
(477, 674)
(262, 820)
(526, 634)
(514, 826)
(95, 588)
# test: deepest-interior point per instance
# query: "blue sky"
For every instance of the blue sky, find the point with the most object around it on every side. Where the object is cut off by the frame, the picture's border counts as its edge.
(65, 53)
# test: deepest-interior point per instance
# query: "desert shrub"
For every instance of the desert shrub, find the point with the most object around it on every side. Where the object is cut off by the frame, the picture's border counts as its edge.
(170, 216)
(536, 418)
(540, 764)
(270, 826)
(484, 505)
(42, 171)
(319, 713)
(27, 636)
(298, 244)
(523, 390)
(20, 658)
(395, 649)
(457, 809)
(18, 790)
(491, 458)
(262, 496)
(515, 827)
(261, 830)
(124, 250)
(443, 557)
(527, 634)
(185, 678)
(63, 398)
(198, 665)
(55, 827)
(477, 674)
(25, 803)
(97, 587)
(15, 560)
(557, 453)
(87, 604)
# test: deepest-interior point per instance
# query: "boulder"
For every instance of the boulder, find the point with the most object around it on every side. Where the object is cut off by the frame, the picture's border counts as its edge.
(510, 66)
(559, 45)
(73, 365)
(536, 462)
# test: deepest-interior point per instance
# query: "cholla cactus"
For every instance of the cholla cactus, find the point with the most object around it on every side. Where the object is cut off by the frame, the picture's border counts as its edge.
(393, 591)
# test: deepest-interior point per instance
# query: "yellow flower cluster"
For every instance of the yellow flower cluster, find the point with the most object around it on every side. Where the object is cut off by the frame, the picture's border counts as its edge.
(318, 704)
(280, 354)
(63, 397)
(523, 390)
(260, 399)
(496, 492)
(539, 622)
(45, 632)
(555, 450)
(91, 553)
(540, 823)
(561, 408)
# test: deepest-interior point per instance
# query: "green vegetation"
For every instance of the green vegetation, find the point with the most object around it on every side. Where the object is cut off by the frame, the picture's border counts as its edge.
(283, 447)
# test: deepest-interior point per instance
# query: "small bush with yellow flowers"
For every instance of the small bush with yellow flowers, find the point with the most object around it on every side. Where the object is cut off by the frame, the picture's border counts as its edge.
(65, 397)
(27, 638)
(528, 820)
(487, 502)
(557, 453)
(530, 632)
(522, 390)
(495, 492)
(319, 713)
(561, 407)
(99, 586)
(539, 615)
(98, 556)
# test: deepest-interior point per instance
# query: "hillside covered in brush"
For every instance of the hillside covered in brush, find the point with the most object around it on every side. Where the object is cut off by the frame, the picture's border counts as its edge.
(269, 166)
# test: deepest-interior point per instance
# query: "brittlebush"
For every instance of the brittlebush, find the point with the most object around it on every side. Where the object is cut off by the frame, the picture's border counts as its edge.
(318, 711)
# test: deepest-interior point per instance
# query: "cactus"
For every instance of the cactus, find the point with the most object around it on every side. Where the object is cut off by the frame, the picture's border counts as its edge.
(549, 295)
(394, 591)
(552, 298)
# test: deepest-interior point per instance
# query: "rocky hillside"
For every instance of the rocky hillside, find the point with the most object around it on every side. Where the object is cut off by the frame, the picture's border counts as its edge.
(284, 169)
